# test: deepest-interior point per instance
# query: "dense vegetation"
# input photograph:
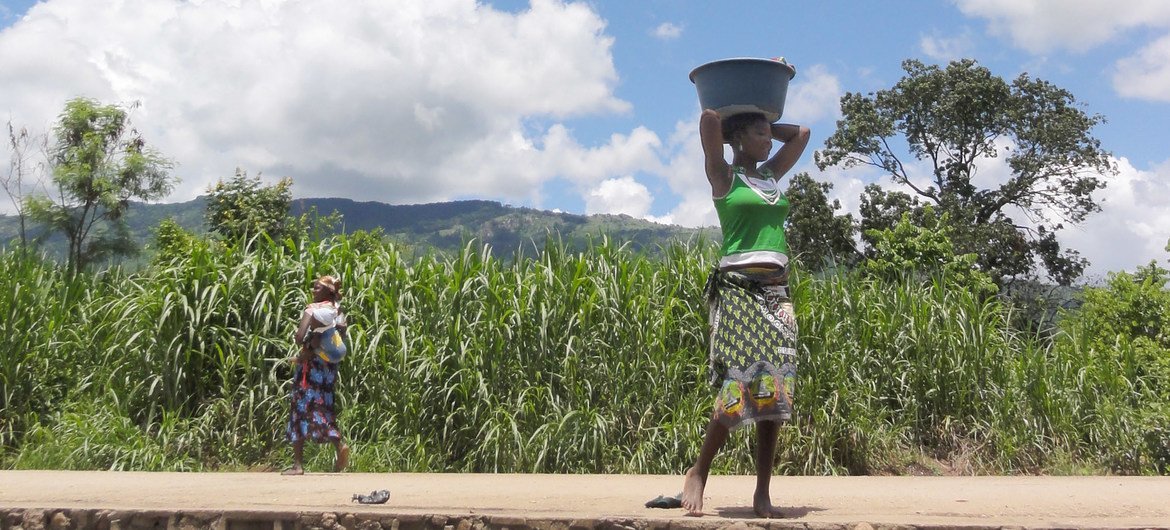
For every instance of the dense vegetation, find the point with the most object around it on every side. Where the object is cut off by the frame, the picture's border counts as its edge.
(559, 361)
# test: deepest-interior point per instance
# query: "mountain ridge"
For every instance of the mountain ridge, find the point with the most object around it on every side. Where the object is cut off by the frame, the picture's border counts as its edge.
(442, 226)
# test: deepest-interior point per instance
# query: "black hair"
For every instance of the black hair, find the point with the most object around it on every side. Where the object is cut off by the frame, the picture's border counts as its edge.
(735, 123)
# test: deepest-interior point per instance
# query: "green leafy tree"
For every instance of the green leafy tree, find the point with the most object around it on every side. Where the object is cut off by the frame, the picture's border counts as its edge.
(1127, 322)
(924, 249)
(242, 207)
(957, 117)
(367, 241)
(881, 209)
(172, 241)
(98, 163)
(817, 235)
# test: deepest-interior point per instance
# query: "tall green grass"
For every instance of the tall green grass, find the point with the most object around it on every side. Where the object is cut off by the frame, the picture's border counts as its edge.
(547, 361)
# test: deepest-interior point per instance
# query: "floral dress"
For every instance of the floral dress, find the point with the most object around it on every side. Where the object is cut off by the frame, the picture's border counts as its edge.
(312, 416)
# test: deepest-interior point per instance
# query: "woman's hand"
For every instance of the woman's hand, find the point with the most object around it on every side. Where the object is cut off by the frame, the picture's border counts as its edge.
(786, 132)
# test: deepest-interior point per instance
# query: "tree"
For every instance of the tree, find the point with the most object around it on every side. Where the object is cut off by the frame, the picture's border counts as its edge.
(241, 208)
(20, 167)
(98, 164)
(882, 209)
(172, 241)
(1126, 323)
(955, 119)
(923, 248)
(818, 237)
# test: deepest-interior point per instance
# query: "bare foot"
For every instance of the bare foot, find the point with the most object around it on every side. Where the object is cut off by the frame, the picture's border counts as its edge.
(295, 470)
(342, 459)
(764, 509)
(692, 495)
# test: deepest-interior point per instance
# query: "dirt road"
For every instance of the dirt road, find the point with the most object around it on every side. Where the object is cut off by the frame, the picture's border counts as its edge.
(595, 501)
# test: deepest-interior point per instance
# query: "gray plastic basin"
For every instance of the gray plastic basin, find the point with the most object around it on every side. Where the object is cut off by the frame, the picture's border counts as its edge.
(743, 84)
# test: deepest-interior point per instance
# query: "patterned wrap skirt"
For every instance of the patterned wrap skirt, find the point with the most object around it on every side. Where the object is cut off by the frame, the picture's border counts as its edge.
(752, 347)
(311, 416)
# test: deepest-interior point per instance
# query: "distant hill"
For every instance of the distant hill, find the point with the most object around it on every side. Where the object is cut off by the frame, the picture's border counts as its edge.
(443, 226)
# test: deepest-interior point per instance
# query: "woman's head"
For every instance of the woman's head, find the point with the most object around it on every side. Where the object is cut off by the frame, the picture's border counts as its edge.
(327, 288)
(749, 134)
(736, 124)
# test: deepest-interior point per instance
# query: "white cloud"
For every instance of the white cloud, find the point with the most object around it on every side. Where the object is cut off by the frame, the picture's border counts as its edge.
(1040, 26)
(667, 31)
(848, 184)
(1147, 74)
(814, 95)
(587, 166)
(947, 48)
(405, 101)
(622, 195)
(1133, 226)
(684, 174)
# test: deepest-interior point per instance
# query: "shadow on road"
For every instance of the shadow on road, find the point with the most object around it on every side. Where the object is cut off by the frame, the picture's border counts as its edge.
(746, 512)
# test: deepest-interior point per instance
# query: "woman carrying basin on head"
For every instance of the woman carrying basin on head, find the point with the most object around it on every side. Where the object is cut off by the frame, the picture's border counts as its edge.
(753, 326)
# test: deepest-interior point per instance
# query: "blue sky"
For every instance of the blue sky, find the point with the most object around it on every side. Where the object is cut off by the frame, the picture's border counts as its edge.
(583, 107)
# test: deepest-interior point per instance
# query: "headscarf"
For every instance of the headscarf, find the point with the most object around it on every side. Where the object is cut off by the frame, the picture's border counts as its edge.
(333, 283)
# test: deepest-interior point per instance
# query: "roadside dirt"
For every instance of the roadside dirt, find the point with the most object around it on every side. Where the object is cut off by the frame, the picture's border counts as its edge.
(1030, 502)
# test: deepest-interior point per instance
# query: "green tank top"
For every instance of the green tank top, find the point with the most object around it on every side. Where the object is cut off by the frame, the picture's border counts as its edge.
(752, 217)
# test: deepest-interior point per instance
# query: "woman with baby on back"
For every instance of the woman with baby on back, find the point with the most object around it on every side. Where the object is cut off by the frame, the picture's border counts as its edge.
(752, 355)
(312, 415)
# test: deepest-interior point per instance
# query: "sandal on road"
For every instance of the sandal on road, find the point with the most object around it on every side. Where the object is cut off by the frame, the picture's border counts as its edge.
(663, 501)
(375, 497)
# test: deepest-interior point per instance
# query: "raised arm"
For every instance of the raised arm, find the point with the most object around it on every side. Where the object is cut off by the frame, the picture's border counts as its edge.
(795, 139)
(711, 134)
